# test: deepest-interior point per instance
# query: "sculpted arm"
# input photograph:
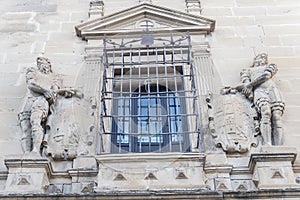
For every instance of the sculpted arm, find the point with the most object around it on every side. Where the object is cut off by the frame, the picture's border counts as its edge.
(33, 85)
(270, 71)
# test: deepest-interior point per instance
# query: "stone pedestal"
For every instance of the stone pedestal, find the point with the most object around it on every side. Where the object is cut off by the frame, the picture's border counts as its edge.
(151, 171)
(27, 174)
(272, 168)
(217, 171)
(84, 174)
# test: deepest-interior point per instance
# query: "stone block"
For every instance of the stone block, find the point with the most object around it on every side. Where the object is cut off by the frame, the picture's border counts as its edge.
(277, 20)
(249, 11)
(85, 163)
(61, 38)
(254, 31)
(272, 168)
(16, 16)
(222, 32)
(78, 17)
(290, 40)
(228, 41)
(217, 3)
(13, 91)
(28, 6)
(271, 41)
(52, 18)
(278, 149)
(238, 52)
(51, 26)
(27, 175)
(286, 2)
(147, 171)
(10, 147)
(235, 20)
(255, 3)
(17, 27)
(68, 27)
(279, 51)
(61, 165)
(284, 10)
(252, 42)
(216, 159)
(292, 112)
(283, 84)
(216, 11)
(292, 99)
(8, 118)
(13, 58)
(10, 133)
(284, 62)
(9, 68)
(8, 79)
(275, 30)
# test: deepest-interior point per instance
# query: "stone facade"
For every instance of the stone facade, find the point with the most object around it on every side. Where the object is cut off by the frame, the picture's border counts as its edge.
(240, 151)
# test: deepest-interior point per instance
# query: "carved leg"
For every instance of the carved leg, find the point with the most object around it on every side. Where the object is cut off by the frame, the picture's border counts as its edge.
(24, 118)
(37, 130)
(265, 123)
(39, 113)
(277, 127)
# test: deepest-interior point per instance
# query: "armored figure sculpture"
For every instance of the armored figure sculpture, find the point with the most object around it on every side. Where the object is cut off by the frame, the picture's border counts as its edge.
(43, 87)
(259, 87)
(41, 84)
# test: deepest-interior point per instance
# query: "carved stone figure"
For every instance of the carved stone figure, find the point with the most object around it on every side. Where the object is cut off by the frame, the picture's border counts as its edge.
(41, 84)
(266, 97)
(258, 87)
(43, 87)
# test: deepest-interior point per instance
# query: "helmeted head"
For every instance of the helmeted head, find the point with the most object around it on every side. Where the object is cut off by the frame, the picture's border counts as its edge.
(260, 59)
(44, 65)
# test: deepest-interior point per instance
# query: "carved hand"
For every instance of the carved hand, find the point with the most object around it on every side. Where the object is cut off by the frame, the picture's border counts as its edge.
(50, 96)
(247, 90)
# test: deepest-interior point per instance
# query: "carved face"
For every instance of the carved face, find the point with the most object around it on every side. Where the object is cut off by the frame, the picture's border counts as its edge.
(44, 65)
(260, 59)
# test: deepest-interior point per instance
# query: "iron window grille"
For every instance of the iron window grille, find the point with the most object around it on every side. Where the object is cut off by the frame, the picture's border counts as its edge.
(148, 97)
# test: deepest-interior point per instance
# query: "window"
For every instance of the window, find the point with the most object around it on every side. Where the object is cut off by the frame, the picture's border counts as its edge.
(148, 96)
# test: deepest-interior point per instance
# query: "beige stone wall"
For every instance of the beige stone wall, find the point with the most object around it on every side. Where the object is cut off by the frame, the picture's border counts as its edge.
(244, 28)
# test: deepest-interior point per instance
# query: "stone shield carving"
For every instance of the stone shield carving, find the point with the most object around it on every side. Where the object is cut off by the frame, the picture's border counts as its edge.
(67, 134)
(235, 122)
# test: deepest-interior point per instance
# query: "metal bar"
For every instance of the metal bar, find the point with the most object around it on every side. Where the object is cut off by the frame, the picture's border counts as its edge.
(167, 104)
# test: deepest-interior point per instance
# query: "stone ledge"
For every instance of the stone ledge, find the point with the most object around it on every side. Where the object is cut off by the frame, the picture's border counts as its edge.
(165, 194)
(138, 157)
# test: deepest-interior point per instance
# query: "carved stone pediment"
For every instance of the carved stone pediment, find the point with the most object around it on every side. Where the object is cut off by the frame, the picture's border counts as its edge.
(137, 19)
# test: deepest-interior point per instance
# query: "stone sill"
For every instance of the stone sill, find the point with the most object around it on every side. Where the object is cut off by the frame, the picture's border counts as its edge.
(165, 194)
(139, 157)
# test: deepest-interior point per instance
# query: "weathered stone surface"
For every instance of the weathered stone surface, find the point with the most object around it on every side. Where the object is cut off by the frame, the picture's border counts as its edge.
(30, 28)
(28, 6)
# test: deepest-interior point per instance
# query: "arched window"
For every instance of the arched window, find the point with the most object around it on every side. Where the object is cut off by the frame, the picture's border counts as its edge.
(149, 101)
(149, 120)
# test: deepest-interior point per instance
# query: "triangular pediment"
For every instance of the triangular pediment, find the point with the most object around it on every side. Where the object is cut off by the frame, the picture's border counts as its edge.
(145, 16)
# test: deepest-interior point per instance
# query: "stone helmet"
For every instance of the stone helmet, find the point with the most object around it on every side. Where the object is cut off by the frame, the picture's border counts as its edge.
(260, 59)
(44, 64)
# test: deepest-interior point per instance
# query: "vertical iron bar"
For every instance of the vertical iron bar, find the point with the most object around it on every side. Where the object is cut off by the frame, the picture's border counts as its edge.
(157, 90)
(167, 101)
